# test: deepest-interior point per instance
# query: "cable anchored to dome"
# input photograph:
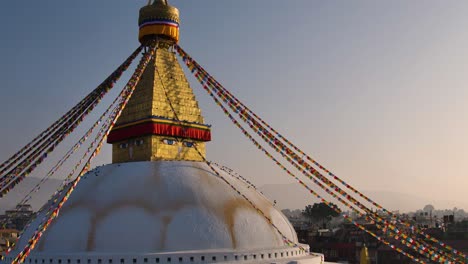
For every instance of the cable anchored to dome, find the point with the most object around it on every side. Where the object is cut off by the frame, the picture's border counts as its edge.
(25, 161)
(62, 197)
(412, 242)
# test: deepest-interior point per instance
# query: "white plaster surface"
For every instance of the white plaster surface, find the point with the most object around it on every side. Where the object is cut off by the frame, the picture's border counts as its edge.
(155, 207)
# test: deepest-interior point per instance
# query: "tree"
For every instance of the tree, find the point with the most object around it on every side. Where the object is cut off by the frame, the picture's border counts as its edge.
(428, 208)
(319, 212)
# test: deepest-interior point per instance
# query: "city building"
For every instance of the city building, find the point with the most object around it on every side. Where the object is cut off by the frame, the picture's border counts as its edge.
(18, 217)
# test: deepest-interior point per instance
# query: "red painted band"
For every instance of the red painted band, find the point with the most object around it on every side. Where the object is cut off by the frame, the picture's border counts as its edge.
(160, 130)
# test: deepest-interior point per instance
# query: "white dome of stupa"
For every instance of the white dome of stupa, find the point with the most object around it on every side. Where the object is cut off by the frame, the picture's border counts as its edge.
(163, 211)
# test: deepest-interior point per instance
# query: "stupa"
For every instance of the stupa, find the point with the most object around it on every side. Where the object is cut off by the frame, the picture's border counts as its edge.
(159, 201)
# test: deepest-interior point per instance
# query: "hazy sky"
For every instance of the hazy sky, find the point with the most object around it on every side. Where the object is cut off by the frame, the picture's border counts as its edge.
(376, 91)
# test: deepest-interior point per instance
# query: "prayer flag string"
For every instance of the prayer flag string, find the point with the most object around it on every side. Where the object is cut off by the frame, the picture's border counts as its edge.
(128, 91)
(203, 77)
(237, 106)
(65, 182)
(310, 190)
(286, 240)
(17, 174)
(240, 105)
(70, 152)
(303, 184)
(102, 87)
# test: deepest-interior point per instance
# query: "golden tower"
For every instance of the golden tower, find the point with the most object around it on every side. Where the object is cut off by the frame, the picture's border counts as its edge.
(162, 120)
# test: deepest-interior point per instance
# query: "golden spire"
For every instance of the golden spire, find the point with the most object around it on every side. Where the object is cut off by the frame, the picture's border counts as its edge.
(162, 120)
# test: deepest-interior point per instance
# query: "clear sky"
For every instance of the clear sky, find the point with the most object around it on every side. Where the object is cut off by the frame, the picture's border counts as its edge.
(376, 91)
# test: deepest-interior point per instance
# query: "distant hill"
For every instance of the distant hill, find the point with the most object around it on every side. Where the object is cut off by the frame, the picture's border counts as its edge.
(294, 196)
(287, 196)
(13, 197)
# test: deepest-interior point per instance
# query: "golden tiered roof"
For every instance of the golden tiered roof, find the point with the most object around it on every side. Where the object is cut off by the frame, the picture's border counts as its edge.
(162, 120)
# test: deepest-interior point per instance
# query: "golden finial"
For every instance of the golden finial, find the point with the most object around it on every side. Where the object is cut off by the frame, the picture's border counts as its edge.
(159, 2)
(158, 20)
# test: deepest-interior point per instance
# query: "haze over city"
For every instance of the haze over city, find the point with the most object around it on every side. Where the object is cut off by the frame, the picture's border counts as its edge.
(376, 92)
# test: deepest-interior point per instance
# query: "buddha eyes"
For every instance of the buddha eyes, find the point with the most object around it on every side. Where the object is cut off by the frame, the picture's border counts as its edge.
(139, 142)
(123, 145)
(169, 141)
(187, 144)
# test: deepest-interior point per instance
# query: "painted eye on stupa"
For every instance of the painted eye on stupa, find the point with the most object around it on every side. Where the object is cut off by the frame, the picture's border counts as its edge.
(123, 145)
(188, 144)
(139, 142)
(169, 141)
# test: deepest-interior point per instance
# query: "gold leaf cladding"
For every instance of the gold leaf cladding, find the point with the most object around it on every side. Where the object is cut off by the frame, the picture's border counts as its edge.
(162, 82)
